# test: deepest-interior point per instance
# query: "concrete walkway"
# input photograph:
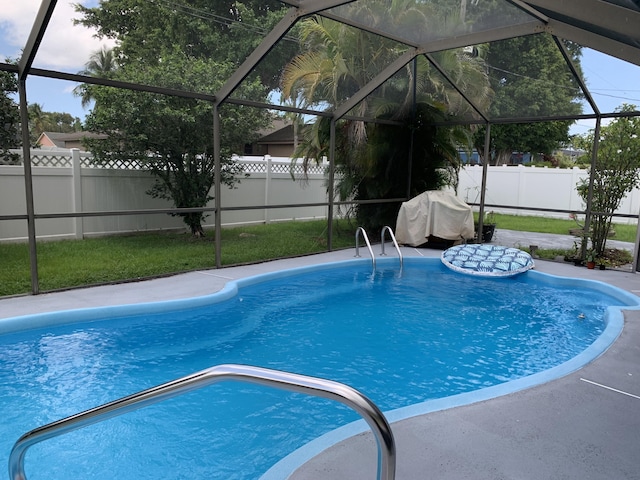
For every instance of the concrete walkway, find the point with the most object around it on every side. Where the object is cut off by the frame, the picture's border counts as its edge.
(585, 426)
(519, 239)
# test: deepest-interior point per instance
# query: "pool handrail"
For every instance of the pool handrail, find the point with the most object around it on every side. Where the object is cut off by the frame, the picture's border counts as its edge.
(361, 230)
(314, 386)
(387, 228)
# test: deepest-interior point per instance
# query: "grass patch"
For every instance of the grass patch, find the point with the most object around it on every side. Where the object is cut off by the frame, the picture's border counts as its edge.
(74, 263)
(611, 257)
(624, 233)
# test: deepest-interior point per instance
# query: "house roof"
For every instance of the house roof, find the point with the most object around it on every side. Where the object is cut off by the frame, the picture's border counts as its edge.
(60, 139)
(282, 136)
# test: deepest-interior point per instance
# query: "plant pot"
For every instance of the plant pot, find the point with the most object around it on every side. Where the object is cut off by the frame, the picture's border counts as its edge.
(591, 265)
(487, 231)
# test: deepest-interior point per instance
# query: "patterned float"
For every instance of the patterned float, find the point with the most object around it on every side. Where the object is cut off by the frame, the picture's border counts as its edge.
(487, 260)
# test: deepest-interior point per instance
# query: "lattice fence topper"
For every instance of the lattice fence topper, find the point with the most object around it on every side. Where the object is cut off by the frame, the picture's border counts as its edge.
(44, 158)
(259, 165)
(9, 161)
(113, 164)
(255, 167)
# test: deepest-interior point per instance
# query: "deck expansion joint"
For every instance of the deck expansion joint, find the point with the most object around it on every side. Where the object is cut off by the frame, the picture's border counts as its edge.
(637, 397)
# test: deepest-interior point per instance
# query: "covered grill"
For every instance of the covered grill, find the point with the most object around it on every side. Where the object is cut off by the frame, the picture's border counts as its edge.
(434, 216)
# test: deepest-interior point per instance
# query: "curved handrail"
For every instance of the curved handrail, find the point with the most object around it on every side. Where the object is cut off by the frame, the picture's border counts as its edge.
(288, 381)
(393, 239)
(361, 230)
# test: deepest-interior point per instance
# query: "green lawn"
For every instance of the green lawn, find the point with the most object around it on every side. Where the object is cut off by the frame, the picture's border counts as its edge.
(624, 233)
(73, 263)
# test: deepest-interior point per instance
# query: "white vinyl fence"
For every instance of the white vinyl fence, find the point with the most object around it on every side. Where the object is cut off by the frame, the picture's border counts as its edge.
(67, 182)
(535, 187)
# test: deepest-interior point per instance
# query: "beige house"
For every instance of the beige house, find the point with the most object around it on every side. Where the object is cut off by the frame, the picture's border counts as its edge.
(277, 143)
(53, 140)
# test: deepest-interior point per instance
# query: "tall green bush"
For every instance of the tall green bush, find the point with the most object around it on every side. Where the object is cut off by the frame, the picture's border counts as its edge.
(615, 172)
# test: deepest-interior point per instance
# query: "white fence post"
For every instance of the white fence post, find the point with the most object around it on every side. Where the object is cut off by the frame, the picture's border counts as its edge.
(76, 199)
(522, 185)
(267, 184)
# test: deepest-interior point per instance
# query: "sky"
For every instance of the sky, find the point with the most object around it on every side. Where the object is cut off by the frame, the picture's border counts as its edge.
(64, 47)
(67, 48)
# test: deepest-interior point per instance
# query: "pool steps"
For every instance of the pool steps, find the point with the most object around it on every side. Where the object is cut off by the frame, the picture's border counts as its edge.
(361, 231)
(313, 386)
(387, 228)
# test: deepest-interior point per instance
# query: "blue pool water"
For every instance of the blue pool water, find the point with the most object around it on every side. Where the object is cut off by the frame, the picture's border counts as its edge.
(401, 338)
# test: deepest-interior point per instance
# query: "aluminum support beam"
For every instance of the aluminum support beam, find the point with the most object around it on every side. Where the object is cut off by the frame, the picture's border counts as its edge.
(603, 15)
(279, 31)
(217, 188)
(24, 65)
(453, 84)
(72, 77)
(596, 42)
(414, 97)
(483, 190)
(529, 9)
(636, 249)
(330, 187)
(315, 6)
(576, 75)
(35, 37)
(28, 186)
(487, 36)
(378, 80)
(305, 8)
(494, 34)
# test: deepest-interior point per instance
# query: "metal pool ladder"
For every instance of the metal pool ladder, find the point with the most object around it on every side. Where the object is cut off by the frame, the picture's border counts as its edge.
(361, 230)
(386, 228)
(273, 378)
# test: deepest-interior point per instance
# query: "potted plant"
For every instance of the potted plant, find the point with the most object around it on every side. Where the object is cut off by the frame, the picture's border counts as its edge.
(488, 227)
(591, 259)
(573, 255)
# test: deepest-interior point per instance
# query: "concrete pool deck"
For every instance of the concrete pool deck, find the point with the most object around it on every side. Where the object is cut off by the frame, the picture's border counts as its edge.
(582, 426)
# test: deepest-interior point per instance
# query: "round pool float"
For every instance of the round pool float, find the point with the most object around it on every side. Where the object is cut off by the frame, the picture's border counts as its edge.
(487, 260)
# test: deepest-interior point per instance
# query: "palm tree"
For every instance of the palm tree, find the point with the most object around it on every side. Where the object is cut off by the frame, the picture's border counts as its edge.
(339, 60)
(102, 63)
(297, 119)
(37, 118)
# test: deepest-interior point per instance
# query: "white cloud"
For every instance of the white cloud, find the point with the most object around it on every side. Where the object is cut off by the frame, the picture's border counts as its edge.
(64, 47)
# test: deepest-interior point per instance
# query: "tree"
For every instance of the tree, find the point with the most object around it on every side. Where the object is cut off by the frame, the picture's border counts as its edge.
(41, 121)
(615, 174)
(530, 78)
(194, 47)
(417, 150)
(372, 159)
(226, 31)
(102, 63)
(9, 118)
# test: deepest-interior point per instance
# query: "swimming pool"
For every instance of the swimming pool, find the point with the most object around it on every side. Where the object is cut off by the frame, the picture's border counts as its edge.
(300, 325)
